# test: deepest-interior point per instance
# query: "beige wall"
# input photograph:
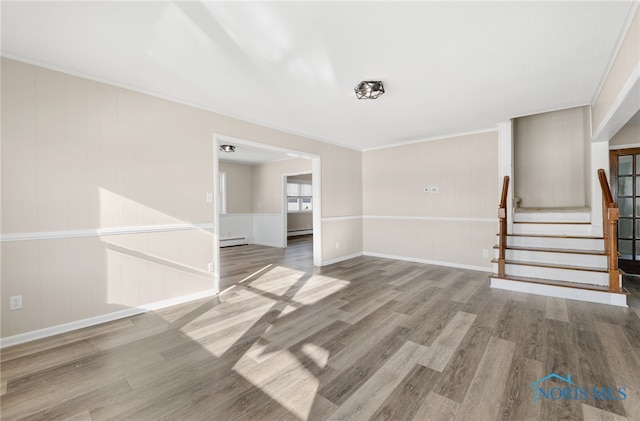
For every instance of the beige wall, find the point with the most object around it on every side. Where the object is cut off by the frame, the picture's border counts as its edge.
(80, 156)
(239, 187)
(299, 221)
(549, 155)
(268, 183)
(627, 60)
(629, 134)
(453, 226)
(301, 177)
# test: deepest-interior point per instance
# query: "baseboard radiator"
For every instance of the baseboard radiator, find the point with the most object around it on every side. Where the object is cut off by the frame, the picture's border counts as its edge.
(233, 241)
(299, 232)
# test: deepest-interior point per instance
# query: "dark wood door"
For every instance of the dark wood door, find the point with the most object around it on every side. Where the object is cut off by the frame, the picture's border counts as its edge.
(625, 186)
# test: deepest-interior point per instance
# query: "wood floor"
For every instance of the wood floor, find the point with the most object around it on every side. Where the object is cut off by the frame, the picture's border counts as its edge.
(367, 338)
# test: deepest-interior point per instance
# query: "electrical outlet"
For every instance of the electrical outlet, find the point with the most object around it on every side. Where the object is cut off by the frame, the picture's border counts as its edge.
(209, 198)
(485, 253)
(210, 267)
(337, 245)
(15, 302)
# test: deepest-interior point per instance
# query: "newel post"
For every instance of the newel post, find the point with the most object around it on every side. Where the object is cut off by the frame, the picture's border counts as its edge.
(612, 246)
(502, 215)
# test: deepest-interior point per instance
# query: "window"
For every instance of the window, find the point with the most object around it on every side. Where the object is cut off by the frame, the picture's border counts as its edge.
(299, 196)
(222, 193)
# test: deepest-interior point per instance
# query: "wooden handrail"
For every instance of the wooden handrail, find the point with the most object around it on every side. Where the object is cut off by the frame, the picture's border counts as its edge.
(606, 192)
(610, 214)
(502, 214)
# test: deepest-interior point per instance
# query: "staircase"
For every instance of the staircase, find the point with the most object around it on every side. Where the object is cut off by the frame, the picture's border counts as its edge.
(551, 252)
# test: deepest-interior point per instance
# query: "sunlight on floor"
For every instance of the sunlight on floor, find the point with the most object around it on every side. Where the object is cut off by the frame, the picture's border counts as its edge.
(284, 379)
(218, 335)
(276, 360)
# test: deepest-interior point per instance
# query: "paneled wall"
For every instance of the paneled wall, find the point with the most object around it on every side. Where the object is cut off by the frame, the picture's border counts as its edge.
(549, 151)
(239, 186)
(453, 226)
(104, 196)
(268, 183)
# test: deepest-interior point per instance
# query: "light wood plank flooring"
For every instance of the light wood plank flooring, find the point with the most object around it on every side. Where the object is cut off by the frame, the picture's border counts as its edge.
(368, 338)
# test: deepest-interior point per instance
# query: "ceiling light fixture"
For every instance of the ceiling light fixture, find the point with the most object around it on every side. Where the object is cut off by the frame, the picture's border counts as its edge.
(227, 148)
(369, 89)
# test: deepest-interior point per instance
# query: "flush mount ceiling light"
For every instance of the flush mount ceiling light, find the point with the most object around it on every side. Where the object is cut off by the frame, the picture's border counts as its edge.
(369, 89)
(227, 148)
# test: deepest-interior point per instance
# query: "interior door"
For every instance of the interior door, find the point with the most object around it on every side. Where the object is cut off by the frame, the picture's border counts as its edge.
(625, 183)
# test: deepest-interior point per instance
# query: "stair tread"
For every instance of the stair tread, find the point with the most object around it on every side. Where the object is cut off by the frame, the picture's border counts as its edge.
(553, 210)
(552, 266)
(567, 284)
(553, 222)
(554, 250)
(582, 237)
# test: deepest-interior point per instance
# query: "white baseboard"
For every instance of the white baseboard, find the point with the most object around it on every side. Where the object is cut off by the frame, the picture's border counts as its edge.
(96, 320)
(341, 259)
(262, 243)
(429, 262)
(600, 297)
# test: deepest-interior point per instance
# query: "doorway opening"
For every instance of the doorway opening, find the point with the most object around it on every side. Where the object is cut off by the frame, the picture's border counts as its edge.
(254, 209)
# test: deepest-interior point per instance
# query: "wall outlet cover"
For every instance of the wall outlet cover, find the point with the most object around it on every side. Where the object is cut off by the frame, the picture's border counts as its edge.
(15, 302)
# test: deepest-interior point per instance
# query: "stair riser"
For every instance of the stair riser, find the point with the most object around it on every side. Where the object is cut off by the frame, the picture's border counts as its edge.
(552, 217)
(568, 275)
(563, 259)
(555, 229)
(561, 292)
(595, 244)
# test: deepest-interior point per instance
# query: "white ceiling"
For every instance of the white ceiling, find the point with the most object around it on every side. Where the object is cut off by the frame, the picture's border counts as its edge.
(250, 154)
(448, 67)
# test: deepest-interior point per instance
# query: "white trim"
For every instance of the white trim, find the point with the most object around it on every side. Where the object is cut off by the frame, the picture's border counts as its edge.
(619, 147)
(340, 218)
(429, 139)
(341, 258)
(506, 165)
(600, 297)
(430, 218)
(99, 232)
(316, 177)
(216, 213)
(104, 318)
(429, 262)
